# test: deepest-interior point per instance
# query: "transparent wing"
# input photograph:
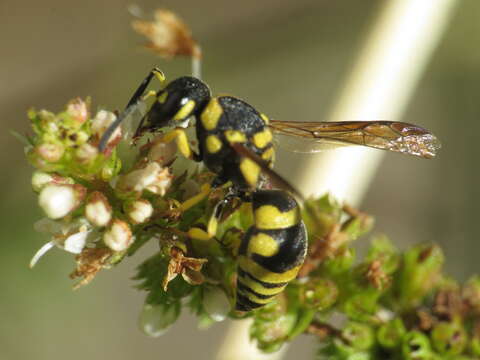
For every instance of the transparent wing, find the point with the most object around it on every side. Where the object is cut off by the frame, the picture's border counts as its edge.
(385, 135)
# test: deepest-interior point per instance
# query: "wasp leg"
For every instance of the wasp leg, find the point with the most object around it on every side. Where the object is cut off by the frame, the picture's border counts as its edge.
(217, 213)
(181, 139)
(194, 200)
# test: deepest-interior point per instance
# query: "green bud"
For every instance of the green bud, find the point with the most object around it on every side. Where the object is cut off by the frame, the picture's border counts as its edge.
(270, 335)
(416, 346)
(358, 226)
(156, 319)
(390, 335)
(475, 346)
(342, 262)
(419, 273)
(361, 306)
(448, 338)
(319, 294)
(471, 293)
(359, 336)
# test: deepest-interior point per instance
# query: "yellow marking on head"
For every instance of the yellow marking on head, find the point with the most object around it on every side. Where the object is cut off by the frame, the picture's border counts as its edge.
(250, 171)
(163, 97)
(265, 118)
(234, 136)
(198, 234)
(185, 111)
(213, 143)
(258, 288)
(266, 275)
(268, 217)
(262, 138)
(269, 154)
(262, 244)
(211, 115)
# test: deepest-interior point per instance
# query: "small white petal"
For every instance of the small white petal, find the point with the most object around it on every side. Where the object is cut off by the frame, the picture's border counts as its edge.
(216, 304)
(76, 242)
(42, 251)
(57, 200)
(48, 226)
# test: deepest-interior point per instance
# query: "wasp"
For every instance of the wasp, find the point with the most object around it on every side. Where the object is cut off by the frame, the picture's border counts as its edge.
(235, 141)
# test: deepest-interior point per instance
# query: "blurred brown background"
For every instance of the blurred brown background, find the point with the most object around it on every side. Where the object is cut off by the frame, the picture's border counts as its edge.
(287, 58)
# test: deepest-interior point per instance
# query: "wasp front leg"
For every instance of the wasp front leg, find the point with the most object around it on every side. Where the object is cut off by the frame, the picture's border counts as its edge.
(183, 145)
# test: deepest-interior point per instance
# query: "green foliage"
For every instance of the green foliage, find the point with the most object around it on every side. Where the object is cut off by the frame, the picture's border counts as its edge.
(396, 305)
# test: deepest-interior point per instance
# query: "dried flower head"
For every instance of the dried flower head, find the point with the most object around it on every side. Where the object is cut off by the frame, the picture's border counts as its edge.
(169, 36)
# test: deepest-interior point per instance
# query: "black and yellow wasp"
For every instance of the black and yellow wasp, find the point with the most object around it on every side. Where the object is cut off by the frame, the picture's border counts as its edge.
(235, 141)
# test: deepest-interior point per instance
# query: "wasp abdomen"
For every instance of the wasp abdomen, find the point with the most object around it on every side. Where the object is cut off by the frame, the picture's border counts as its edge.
(272, 251)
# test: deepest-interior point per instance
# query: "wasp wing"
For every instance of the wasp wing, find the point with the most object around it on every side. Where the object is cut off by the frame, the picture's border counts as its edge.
(277, 181)
(385, 135)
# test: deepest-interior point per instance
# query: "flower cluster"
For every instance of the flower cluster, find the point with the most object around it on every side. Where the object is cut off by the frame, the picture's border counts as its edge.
(103, 206)
(91, 205)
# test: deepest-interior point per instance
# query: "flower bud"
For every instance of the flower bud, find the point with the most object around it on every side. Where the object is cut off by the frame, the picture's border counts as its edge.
(319, 294)
(50, 152)
(98, 210)
(139, 211)
(78, 110)
(216, 303)
(448, 338)
(359, 336)
(416, 346)
(40, 179)
(118, 236)
(59, 200)
(155, 320)
(419, 273)
(86, 153)
(103, 119)
(390, 334)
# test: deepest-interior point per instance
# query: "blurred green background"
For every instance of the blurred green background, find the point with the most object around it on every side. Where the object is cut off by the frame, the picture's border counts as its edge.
(288, 59)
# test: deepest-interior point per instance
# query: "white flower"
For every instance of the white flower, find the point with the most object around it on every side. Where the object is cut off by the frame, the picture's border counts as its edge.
(71, 237)
(57, 200)
(103, 119)
(139, 211)
(152, 177)
(97, 210)
(118, 236)
(216, 304)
